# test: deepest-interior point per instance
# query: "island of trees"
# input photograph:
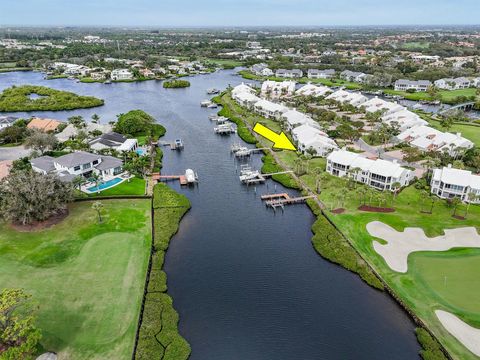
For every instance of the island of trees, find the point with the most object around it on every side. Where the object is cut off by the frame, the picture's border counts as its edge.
(41, 98)
(172, 84)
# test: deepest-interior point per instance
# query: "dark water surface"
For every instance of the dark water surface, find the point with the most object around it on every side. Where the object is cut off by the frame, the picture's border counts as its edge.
(246, 282)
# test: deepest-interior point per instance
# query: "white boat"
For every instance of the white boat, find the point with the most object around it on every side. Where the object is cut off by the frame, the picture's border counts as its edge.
(248, 175)
(205, 103)
(190, 176)
(213, 91)
(212, 105)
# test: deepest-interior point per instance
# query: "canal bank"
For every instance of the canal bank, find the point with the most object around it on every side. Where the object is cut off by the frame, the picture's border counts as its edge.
(329, 240)
(245, 281)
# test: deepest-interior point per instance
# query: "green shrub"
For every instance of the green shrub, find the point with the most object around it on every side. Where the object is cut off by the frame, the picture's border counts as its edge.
(134, 122)
(431, 348)
(172, 84)
(270, 166)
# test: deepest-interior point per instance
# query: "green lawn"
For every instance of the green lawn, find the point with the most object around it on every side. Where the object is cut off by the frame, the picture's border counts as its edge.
(135, 186)
(87, 278)
(448, 96)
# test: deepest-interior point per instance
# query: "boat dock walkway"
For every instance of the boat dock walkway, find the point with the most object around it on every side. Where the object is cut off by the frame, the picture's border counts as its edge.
(181, 178)
(280, 200)
(260, 178)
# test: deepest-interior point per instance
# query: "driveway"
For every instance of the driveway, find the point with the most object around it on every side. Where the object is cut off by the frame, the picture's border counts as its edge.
(13, 153)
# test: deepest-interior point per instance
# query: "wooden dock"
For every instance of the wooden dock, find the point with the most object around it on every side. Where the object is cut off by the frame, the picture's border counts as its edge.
(260, 178)
(181, 178)
(280, 200)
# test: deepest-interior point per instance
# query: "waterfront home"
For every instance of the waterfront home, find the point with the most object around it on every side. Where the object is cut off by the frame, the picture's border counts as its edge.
(294, 118)
(416, 85)
(344, 97)
(290, 74)
(476, 82)
(70, 132)
(261, 70)
(44, 124)
(71, 69)
(320, 74)
(113, 140)
(376, 104)
(313, 90)
(275, 89)
(403, 119)
(269, 109)
(5, 167)
(379, 174)
(426, 139)
(6, 121)
(78, 163)
(246, 99)
(448, 183)
(312, 140)
(453, 84)
(121, 74)
(353, 76)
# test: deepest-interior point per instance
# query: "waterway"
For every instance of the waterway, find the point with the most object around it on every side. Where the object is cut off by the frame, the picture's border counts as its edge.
(246, 281)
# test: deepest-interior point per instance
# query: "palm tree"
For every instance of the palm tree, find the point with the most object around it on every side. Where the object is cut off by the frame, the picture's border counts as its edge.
(423, 198)
(362, 191)
(396, 187)
(297, 162)
(95, 118)
(471, 198)
(98, 206)
(96, 178)
(433, 200)
(455, 203)
(78, 181)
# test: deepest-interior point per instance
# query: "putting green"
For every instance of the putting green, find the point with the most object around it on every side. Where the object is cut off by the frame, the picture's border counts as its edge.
(87, 277)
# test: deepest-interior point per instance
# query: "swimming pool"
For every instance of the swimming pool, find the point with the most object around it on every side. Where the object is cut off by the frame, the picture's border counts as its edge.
(105, 185)
(140, 152)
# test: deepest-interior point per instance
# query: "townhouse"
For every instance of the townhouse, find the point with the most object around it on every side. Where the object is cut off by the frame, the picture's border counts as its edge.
(426, 138)
(313, 90)
(245, 95)
(344, 97)
(290, 74)
(269, 109)
(376, 104)
(448, 183)
(404, 119)
(261, 70)
(313, 141)
(294, 118)
(320, 74)
(353, 76)
(275, 89)
(453, 84)
(416, 85)
(379, 174)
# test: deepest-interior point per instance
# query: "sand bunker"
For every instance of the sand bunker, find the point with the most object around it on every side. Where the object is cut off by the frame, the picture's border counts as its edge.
(401, 244)
(466, 334)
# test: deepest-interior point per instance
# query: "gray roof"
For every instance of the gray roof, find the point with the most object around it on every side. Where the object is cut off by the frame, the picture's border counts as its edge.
(44, 163)
(351, 73)
(111, 139)
(7, 120)
(76, 159)
(318, 71)
(109, 162)
(413, 82)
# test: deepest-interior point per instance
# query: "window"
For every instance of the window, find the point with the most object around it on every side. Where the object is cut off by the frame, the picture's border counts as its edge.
(76, 168)
(87, 166)
(95, 162)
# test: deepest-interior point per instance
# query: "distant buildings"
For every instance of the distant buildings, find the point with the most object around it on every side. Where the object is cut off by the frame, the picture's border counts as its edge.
(313, 90)
(320, 74)
(353, 76)
(344, 97)
(289, 74)
(275, 89)
(453, 84)
(379, 174)
(261, 70)
(376, 104)
(416, 85)
(448, 183)
(121, 74)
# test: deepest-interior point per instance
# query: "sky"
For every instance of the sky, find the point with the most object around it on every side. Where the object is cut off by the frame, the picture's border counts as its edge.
(185, 13)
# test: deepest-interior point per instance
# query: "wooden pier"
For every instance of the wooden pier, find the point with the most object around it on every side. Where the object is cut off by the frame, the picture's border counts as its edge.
(280, 200)
(257, 177)
(181, 178)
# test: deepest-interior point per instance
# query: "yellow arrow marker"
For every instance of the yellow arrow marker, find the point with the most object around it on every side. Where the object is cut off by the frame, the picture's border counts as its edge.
(279, 141)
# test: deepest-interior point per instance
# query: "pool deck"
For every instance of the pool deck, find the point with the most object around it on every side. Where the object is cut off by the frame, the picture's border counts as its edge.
(86, 188)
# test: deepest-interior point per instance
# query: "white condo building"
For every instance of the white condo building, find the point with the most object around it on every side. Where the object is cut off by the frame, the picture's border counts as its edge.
(310, 138)
(269, 109)
(275, 89)
(379, 174)
(376, 104)
(313, 90)
(405, 119)
(448, 183)
(352, 98)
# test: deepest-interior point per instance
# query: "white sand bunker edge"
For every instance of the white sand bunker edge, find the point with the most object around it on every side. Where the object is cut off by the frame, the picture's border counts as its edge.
(466, 334)
(401, 244)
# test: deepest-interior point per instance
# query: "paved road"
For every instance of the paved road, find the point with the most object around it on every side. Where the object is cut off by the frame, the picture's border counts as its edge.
(13, 153)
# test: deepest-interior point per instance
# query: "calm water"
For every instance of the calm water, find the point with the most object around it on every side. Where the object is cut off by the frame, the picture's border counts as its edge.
(247, 282)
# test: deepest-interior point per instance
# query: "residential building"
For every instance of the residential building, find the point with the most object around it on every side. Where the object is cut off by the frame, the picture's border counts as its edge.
(376, 104)
(312, 140)
(269, 109)
(448, 183)
(290, 74)
(417, 85)
(344, 97)
(403, 119)
(261, 70)
(70, 132)
(121, 74)
(78, 163)
(294, 118)
(45, 125)
(6, 121)
(113, 140)
(379, 174)
(320, 74)
(275, 89)
(426, 138)
(353, 76)
(313, 90)
(453, 84)
(245, 95)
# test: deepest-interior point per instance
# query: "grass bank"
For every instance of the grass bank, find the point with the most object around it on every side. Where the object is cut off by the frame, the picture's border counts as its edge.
(87, 277)
(158, 334)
